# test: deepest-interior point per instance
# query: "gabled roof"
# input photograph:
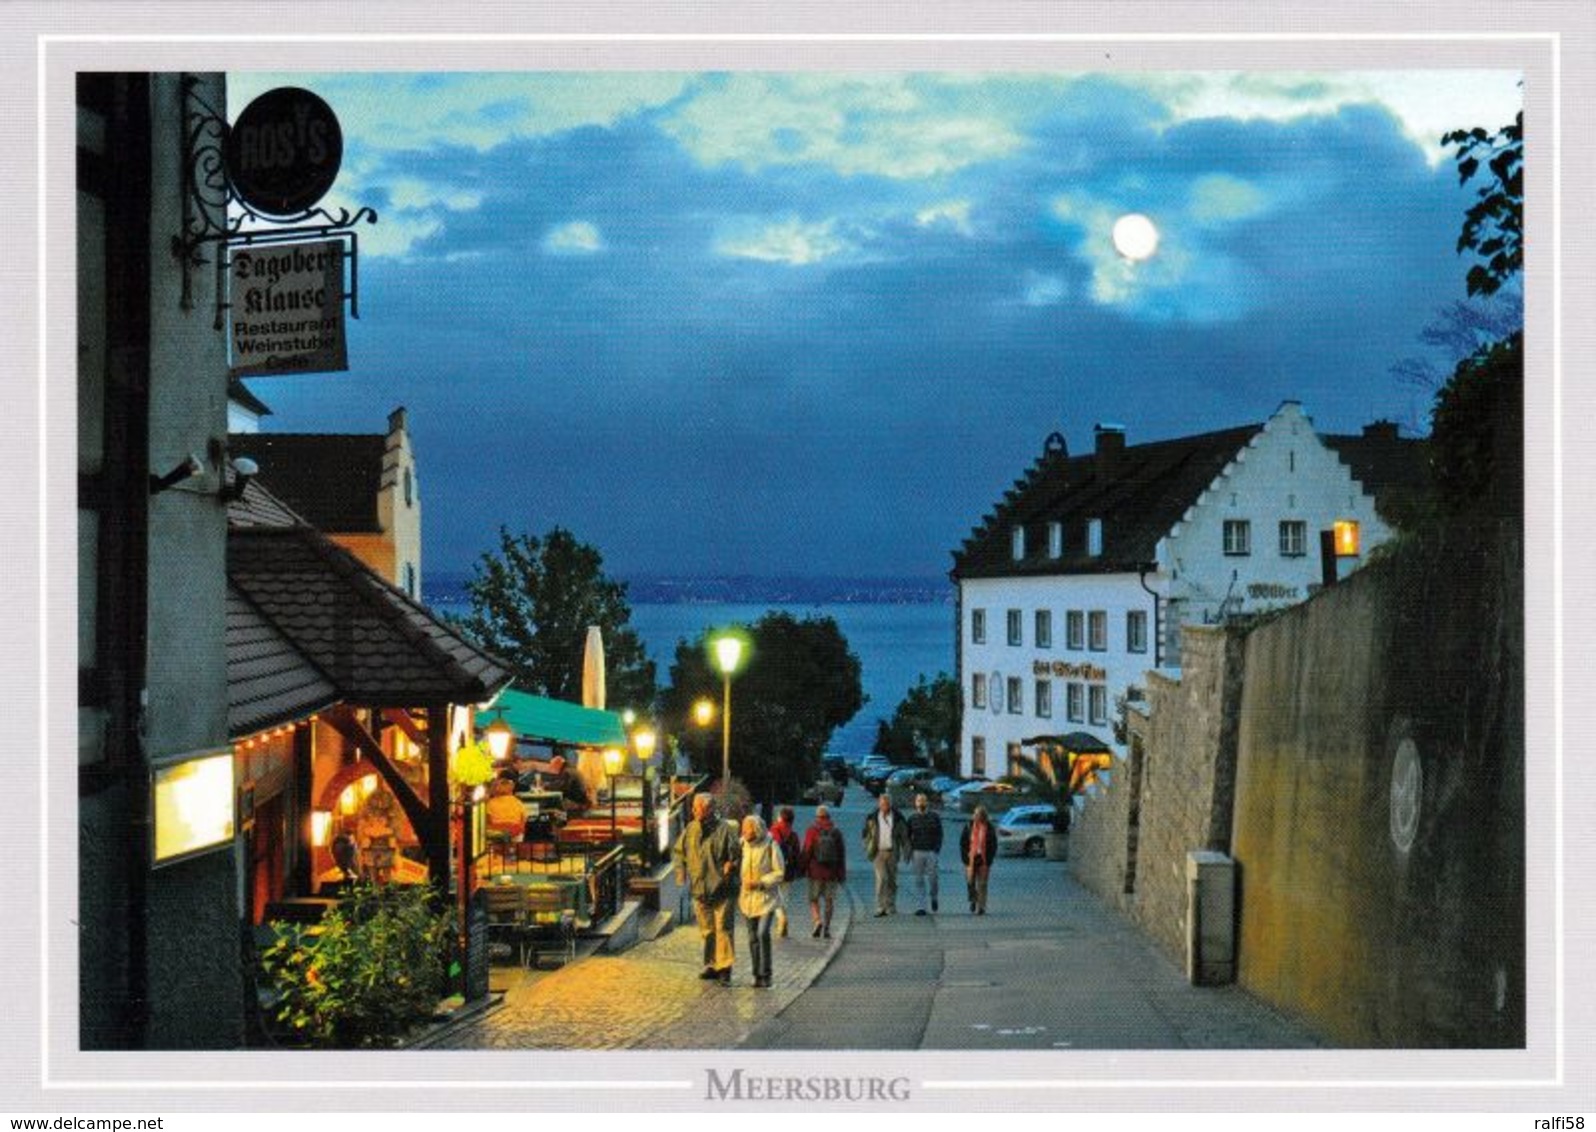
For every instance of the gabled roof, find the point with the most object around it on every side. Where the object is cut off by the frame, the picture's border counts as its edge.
(1381, 459)
(1147, 490)
(373, 643)
(258, 507)
(332, 479)
(269, 681)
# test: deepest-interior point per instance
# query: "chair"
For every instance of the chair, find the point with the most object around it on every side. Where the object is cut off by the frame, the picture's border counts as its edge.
(549, 919)
(507, 918)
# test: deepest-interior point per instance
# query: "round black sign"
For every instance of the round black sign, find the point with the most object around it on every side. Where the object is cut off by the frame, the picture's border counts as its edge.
(283, 152)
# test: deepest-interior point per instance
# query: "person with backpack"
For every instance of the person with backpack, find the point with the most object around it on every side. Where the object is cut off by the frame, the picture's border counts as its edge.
(824, 862)
(786, 838)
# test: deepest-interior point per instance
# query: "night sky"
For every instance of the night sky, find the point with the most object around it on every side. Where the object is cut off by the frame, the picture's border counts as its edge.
(816, 324)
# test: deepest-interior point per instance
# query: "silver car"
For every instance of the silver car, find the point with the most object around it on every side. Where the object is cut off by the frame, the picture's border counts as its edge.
(1022, 832)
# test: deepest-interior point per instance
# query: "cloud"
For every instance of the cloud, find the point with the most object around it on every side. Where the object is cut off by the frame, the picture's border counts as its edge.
(578, 237)
(1219, 198)
(789, 241)
(953, 214)
(1043, 290)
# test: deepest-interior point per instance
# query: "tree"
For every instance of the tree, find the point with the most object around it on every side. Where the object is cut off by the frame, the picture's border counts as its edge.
(799, 683)
(1477, 433)
(925, 725)
(532, 603)
(1493, 228)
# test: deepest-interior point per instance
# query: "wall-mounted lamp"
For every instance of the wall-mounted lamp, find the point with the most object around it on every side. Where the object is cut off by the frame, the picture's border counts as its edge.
(191, 466)
(500, 736)
(244, 470)
(320, 826)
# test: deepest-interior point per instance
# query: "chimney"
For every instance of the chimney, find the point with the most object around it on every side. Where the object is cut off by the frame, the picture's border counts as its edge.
(396, 421)
(1110, 439)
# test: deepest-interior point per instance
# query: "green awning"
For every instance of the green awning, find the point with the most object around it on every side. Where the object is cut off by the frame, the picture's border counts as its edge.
(543, 720)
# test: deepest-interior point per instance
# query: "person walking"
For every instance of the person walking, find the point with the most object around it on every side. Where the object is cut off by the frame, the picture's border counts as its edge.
(925, 840)
(707, 855)
(823, 861)
(886, 842)
(786, 837)
(762, 872)
(977, 847)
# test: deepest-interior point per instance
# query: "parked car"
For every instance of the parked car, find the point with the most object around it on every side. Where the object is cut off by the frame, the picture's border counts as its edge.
(905, 782)
(1022, 832)
(826, 790)
(836, 766)
(995, 796)
(945, 784)
(873, 773)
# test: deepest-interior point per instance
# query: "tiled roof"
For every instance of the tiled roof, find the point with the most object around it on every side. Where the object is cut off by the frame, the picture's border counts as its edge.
(332, 479)
(375, 644)
(239, 393)
(1380, 459)
(258, 507)
(1147, 490)
(269, 681)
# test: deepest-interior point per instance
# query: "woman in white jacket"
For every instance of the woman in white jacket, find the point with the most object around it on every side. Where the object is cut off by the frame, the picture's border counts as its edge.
(762, 873)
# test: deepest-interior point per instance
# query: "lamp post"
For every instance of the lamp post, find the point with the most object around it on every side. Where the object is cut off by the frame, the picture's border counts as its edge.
(500, 736)
(728, 655)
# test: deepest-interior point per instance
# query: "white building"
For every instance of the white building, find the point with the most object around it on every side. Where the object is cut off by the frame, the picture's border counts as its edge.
(1078, 581)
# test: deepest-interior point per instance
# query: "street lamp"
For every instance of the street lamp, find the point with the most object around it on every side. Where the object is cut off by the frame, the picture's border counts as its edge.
(704, 711)
(728, 655)
(500, 736)
(643, 741)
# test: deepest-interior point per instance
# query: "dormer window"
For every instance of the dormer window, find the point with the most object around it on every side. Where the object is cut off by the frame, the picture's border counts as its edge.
(1017, 543)
(1055, 540)
(1094, 537)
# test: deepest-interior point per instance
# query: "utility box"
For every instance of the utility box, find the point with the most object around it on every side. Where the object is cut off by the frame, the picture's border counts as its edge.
(1210, 918)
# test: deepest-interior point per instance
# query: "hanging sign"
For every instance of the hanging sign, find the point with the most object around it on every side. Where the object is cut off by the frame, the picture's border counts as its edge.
(287, 309)
(283, 151)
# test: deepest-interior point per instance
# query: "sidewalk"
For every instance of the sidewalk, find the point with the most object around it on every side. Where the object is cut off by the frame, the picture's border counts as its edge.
(650, 996)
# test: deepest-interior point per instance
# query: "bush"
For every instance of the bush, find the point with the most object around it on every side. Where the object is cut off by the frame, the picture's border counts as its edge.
(369, 972)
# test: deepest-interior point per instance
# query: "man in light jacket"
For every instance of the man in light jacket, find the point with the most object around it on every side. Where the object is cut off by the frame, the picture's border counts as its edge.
(707, 856)
(886, 843)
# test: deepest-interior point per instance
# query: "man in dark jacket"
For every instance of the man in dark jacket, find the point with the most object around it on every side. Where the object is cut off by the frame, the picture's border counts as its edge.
(925, 839)
(707, 855)
(886, 843)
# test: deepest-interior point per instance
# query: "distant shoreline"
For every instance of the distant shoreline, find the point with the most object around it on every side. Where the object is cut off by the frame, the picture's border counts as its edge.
(449, 588)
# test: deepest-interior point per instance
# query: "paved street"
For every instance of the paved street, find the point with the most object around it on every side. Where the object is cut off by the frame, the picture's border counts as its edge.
(1047, 968)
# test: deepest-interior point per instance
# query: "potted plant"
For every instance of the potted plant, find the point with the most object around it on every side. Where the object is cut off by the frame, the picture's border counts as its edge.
(1049, 782)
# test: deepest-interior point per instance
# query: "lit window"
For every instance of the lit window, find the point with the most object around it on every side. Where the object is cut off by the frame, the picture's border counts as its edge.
(1074, 706)
(1044, 628)
(1015, 630)
(1097, 630)
(978, 690)
(1044, 699)
(1094, 537)
(1097, 697)
(978, 754)
(1238, 536)
(1136, 630)
(978, 626)
(1293, 538)
(1055, 539)
(1075, 629)
(1016, 695)
(1017, 543)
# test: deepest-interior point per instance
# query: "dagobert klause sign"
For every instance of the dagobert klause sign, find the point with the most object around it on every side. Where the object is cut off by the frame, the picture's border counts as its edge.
(287, 309)
(286, 302)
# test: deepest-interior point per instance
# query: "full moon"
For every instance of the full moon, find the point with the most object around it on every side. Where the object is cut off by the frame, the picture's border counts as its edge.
(1134, 236)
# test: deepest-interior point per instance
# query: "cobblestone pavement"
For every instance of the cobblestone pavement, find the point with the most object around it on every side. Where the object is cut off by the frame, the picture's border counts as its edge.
(1048, 968)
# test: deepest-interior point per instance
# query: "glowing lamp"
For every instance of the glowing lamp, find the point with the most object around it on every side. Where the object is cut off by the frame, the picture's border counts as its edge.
(348, 801)
(320, 827)
(704, 712)
(644, 740)
(612, 759)
(1346, 536)
(728, 653)
(501, 738)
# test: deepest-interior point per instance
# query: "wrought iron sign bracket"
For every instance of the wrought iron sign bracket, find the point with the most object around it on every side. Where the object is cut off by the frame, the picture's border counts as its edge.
(215, 217)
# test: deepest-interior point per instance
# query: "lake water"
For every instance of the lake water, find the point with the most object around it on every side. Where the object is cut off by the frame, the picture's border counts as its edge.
(895, 643)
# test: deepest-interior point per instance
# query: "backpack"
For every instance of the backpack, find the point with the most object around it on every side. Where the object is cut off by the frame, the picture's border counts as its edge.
(828, 847)
(789, 854)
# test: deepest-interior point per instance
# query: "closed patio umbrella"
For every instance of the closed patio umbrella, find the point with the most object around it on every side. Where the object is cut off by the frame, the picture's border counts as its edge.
(593, 669)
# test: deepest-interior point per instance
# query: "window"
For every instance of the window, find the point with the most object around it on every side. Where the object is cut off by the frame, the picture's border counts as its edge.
(1044, 628)
(1238, 536)
(1044, 699)
(1015, 632)
(410, 488)
(1074, 706)
(1097, 697)
(1016, 694)
(1055, 539)
(978, 754)
(1075, 629)
(1136, 630)
(1017, 543)
(978, 690)
(1293, 538)
(978, 626)
(1097, 630)
(1094, 537)
(410, 579)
